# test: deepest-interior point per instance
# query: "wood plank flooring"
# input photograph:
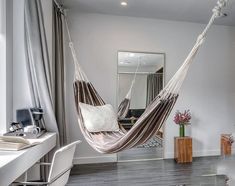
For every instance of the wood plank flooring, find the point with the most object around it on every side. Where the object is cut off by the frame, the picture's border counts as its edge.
(140, 154)
(148, 173)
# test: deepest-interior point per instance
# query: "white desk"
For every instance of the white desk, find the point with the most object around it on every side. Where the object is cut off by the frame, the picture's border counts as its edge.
(14, 163)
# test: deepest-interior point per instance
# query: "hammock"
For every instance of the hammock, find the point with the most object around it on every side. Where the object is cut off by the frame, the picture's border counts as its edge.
(155, 114)
(124, 106)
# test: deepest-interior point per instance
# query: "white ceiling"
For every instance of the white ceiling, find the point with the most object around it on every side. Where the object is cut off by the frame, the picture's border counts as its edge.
(197, 11)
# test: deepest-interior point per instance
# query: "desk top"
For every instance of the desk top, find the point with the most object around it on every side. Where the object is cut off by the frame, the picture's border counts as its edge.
(15, 163)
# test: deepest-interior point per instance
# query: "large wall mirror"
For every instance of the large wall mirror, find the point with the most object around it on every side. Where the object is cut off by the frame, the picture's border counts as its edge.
(146, 69)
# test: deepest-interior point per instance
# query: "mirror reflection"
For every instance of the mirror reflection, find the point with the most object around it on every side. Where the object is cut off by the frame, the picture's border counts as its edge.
(140, 79)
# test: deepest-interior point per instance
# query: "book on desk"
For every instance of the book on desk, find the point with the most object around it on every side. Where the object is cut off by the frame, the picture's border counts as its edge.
(15, 143)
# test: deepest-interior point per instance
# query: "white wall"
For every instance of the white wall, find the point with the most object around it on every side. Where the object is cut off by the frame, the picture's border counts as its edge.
(6, 29)
(3, 65)
(209, 89)
(9, 65)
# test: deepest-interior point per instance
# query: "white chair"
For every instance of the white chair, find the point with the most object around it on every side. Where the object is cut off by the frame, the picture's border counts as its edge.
(227, 167)
(61, 165)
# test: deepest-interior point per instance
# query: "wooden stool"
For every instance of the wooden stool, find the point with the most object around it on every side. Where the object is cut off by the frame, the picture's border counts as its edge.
(225, 144)
(183, 149)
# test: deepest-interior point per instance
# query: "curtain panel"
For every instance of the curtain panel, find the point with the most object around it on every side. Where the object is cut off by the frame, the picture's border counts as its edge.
(46, 77)
(59, 76)
(154, 86)
(38, 62)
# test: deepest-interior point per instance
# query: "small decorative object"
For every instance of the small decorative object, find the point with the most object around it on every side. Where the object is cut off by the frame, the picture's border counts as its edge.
(182, 119)
(231, 138)
(16, 127)
(183, 149)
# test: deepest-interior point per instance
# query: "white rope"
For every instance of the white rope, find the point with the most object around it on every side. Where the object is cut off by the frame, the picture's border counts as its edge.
(176, 81)
(79, 73)
(128, 96)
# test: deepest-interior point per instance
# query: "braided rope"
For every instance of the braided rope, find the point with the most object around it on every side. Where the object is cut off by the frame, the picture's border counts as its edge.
(173, 86)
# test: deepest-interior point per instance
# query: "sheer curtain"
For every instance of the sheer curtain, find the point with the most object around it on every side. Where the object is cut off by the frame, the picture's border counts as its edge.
(46, 77)
(39, 64)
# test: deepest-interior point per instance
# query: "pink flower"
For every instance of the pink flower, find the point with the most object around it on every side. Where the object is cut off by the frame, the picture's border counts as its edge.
(182, 118)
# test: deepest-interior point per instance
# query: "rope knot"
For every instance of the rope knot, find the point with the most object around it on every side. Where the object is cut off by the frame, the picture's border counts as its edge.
(70, 44)
(217, 9)
(222, 3)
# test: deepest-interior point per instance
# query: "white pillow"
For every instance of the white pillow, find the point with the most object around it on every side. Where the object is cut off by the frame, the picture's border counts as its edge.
(99, 118)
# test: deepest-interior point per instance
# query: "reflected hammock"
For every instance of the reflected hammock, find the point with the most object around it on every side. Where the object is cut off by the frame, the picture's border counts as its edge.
(156, 112)
(124, 106)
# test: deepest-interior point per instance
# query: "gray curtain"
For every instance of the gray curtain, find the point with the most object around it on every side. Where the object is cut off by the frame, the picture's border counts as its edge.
(59, 66)
(46, 76)
(154, 86)
(39, 64)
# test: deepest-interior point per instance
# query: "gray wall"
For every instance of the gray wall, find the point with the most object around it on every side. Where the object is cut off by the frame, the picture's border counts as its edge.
(208, 91)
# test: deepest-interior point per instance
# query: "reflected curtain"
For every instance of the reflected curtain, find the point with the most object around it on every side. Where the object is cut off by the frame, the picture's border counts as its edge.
(154, 86)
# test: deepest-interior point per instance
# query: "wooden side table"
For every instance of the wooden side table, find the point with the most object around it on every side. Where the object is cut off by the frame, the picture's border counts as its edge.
(183, 149)
(225, 145)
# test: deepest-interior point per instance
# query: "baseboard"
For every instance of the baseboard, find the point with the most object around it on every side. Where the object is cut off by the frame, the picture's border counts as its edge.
(113, 157)
(206, 153)
(170, 155)
(95, 159)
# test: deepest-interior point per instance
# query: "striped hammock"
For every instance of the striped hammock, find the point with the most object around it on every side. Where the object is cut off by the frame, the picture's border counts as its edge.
(156, 112)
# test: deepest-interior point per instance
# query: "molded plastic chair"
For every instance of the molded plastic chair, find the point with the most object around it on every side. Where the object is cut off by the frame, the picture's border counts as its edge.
(61, 165)
(227, 167)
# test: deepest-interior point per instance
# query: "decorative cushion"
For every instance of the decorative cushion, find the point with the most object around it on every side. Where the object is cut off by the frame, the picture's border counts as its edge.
(99, 118)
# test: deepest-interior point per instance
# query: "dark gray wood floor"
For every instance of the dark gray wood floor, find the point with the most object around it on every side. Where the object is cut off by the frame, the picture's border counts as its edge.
(148, 173)
(140, 154)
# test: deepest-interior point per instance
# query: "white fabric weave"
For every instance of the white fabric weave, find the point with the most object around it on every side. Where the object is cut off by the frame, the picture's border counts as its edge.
(99, 118)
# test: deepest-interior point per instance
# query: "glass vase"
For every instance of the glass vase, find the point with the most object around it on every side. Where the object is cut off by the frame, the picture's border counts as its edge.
(182, 130)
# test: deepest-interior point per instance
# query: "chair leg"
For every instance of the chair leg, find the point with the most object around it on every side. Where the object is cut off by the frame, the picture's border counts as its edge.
(25, 177)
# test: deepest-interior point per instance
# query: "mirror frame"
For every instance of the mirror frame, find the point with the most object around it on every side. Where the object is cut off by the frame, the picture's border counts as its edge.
(164, 83)
(143, 52)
